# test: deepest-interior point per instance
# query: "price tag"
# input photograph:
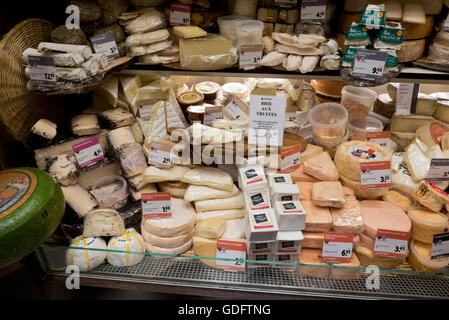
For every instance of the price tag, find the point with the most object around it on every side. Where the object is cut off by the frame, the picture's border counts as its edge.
(267, 120)
(375, 174)
(313, 10)
(286, 3)
(231, 250)
(145, 111)
(250, 55)
(160, 154)
(439, 170)
(290, 159)
(211, 114)
(88, 152)
(43, 70)
(381, 138)
(179, 14)
(291, 116)
(337, 247)
(406, 98)
(236, 110)
(105, 43)
(390, 243)
(369, 64)
(156, 205)
(440, 246)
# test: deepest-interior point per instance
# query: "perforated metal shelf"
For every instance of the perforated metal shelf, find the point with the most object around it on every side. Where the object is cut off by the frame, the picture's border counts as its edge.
(191, 273)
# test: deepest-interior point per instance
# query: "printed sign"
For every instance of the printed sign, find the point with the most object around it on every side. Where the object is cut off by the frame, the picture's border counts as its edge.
(375, 174)
(369, 64)
(231, 250)
(179, 14)
(105, 43)
(440, 246)
(236, 110)
(250, 55)
(42, 70)
(381, 138)
(156, 205)
(439, 170)
(406, 98)
(160, 154)
(337, 247)
(313, 10)
(290, 159)
(391, 243)
(88, 152)
(211, 114)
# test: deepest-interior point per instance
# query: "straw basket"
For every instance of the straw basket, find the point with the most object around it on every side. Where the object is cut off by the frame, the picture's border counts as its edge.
(20, 109)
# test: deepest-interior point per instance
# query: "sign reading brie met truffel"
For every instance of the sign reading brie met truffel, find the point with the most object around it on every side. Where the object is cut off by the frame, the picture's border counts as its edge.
(267, 120)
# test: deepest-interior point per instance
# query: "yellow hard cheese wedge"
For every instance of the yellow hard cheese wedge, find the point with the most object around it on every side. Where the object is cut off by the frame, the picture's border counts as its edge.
(212, 228)
(189, 32)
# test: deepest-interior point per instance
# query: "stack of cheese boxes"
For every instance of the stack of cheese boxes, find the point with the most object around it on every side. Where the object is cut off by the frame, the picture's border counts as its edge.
(274, 217)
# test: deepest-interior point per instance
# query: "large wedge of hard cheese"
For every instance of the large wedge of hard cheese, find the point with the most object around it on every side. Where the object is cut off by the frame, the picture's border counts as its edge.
(313, 257)
(318, 219)
(321, 167)
(383, 215)
(236, 202)
(299, 176)
(311, 151)
(181, 221)
(200, 193)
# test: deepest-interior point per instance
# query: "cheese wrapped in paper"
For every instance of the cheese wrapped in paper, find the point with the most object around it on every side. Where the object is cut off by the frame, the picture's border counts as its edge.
(143, 39)
(155, 175)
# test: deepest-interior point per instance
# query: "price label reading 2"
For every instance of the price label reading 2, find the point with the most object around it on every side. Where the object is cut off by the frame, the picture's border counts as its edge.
(231, 250)
(156, 205)
(160, 155)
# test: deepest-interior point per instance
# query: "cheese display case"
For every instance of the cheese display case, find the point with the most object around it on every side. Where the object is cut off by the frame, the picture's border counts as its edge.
(241, 147)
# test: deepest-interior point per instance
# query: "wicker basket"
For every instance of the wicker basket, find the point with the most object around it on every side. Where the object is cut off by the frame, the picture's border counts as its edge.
(20, 109)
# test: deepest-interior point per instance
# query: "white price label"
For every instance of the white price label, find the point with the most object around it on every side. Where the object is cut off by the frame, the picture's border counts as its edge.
(156, 205)
(439, 170)
(406, 98)
(369, 64)
(381, 138)
(179, 14)
(375, 174)
(313, 10)
(88, 152)
(233, 250)
(290, 159)
(43, 70)
(391, 243)
(337, 247)
(250, 55)
(440, 246)
(236, 110)
(160, 155)
(105, 43)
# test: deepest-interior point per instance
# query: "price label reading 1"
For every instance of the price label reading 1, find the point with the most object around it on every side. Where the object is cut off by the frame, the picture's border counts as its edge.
(313, 10)
(156, 205)
(375, 174)
(369, 64)
(406, 98)
(337, 247)
(440, 246)
(439, 170)
(290, 159)
(179, 14)
(105, 43)
(250, 55)
(43, 70)
(381, 138)
(231, 250)
(391, 243)
(88, 152)
(160, 155)
(236, 110)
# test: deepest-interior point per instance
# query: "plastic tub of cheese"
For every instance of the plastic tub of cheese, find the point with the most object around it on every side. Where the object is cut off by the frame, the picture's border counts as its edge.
(249, 32)
(358, 101)
(111, 192)
(328, 122)
(330, 147)
(425, 224)
(420, 260)
(358, 128)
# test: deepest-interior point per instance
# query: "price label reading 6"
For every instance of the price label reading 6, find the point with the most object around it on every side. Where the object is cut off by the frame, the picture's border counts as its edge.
(345, 253)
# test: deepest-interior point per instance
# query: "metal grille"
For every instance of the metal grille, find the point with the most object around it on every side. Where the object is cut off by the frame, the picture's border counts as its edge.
(186, 272)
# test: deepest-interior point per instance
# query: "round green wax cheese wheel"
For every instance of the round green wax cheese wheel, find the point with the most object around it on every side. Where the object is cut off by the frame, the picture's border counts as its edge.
(31, 208)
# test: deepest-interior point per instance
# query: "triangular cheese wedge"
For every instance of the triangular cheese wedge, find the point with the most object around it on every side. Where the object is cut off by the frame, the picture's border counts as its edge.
(107, 93)
(130, 86)
(173, 114)
(157, 128)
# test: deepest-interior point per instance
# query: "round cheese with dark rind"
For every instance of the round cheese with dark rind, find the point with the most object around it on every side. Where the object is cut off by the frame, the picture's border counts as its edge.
(31, 208)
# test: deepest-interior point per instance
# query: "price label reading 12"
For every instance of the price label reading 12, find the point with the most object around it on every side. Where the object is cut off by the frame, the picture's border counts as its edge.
(231, 250)
(337, 247)
(88, 152)
(369, 64)
(156, 205)
(43, 70)
(391, 243)
(375, 174)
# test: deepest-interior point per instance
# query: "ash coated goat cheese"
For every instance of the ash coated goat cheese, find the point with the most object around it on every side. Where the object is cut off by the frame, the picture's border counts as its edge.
(86, 260)
(121, 137)
(130, 241)
(290, 215)
(63, 169)
(284, 192)
(252, 178)
(116, 118)
(42, 133)
(261, 226)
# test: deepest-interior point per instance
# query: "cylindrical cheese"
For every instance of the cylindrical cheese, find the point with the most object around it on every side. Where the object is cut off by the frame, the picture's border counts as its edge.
(164, 242)
(131, 241)
(425, 224)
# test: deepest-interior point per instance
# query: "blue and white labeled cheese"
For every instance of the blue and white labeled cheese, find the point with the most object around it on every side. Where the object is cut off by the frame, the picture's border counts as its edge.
(284, 192)
(131, 241)
(290, 215)
(257, 200)
(252, 178)
(86, 260)
(289, 242)
(261, 226)
(260, 247)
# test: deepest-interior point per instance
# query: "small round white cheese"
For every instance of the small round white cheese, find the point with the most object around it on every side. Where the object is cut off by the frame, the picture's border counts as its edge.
(131, 241)
(86, 260)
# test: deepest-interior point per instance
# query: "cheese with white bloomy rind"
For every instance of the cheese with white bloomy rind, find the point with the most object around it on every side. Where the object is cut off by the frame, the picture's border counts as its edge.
(131, 241)
(171, 251)
(120, 137)
(79, 199)
(155, 175)
(235, 202)
(167, 242)
(103, 223)
(401, 177)
(210, 177)
(221, 214)
(418, 157)
(86, 260)
(174, 116)
(157, 125)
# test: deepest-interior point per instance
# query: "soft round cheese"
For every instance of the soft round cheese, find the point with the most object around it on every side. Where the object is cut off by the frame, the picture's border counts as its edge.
(411, 50)
(175, 188)
(167, 242)
(368, 194)
(414, 31)
(131, 241)
(425, 224)
(86, 260)
(181, 221)
(420, 258)
(383, 215)
(351, 154)
(397, 199)
(177, 250)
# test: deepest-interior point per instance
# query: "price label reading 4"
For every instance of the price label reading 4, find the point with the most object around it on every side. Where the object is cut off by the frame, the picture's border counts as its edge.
(290, 159)
(88, 152)
(250, 55)
(313, 10)
(440, 246)
(391, 243)
(156, 205)
(179, 14)
(337, 247)
(234, 250)
(43, 71)
(439, 170)
(381, 138)
(369, 64)
(160, 155)
(105, 43)
(375, 174)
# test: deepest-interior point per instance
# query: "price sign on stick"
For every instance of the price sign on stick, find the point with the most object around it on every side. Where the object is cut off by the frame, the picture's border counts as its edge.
(179, 14)
(313, 10)
(42, 70)
(375, 174)
(160, 155)
(88, 152)
(391, 243)
(156, 205)
(105, 43)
